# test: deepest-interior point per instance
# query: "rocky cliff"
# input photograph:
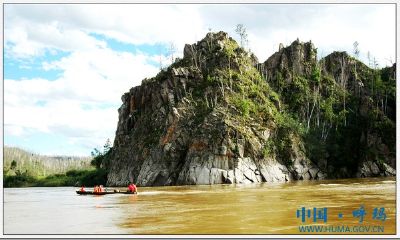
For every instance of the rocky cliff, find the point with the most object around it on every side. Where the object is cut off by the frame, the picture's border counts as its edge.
(347, 107)
(218, 116)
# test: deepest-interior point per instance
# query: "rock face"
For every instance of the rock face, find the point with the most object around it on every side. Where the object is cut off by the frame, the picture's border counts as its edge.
(297, 59)
(341, 89)
(373, 169)
(174, 130)
(212, 118)
(374, 108)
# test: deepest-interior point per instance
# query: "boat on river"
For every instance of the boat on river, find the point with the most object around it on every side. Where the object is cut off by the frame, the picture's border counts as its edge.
(102, 193)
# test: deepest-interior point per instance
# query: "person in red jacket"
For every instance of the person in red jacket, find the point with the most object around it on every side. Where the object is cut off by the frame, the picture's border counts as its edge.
(132, 188)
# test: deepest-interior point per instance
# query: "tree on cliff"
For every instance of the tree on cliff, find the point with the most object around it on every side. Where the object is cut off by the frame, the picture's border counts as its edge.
(172, 51)
(101, 157)
(241, 30)
(356, 51)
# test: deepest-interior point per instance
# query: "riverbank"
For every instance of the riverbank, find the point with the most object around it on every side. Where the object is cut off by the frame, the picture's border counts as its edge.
(70, 178)
(89, 178)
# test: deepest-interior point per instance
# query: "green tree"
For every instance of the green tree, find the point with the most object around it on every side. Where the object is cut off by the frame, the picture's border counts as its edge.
(100, 158)
(107, 146)
(356, 50)
(13, 165)
(97, 158)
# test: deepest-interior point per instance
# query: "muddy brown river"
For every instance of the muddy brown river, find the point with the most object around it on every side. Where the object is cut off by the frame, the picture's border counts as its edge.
(346, 206)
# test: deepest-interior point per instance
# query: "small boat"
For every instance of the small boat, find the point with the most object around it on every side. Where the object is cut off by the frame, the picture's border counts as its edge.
(93, 193)
(124, 192)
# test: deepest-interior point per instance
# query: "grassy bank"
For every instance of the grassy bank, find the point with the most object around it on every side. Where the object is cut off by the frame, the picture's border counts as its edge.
(16, 159)
(27, 169)
(89, 177)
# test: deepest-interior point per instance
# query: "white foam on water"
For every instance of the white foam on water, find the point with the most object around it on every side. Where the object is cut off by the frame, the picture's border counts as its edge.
(330, 184)
(389, 181)
(378, 188)
(169, 193)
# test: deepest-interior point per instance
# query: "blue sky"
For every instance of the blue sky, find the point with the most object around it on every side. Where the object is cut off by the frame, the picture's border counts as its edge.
(19, 69)
(66, 66)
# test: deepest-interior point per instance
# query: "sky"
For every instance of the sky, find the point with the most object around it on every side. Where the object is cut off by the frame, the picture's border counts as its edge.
(67, 66)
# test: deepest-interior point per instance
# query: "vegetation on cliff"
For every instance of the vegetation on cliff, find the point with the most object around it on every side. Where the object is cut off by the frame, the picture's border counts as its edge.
(347, 108)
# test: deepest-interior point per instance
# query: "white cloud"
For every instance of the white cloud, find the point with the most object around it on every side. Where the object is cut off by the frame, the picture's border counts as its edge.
(101, 74)
(32, 28)
(32, 39)
(94, 79)
(331, 27)
(14, 130)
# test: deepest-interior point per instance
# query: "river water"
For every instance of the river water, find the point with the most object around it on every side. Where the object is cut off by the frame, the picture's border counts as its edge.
(219, 209)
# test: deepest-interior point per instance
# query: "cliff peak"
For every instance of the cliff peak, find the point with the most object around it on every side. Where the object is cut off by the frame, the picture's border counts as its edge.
(296, 59)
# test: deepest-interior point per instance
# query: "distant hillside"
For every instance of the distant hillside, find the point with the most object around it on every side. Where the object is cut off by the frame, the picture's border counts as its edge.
(41, 165)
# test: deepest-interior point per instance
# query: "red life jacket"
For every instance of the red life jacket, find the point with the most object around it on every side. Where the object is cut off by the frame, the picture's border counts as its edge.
(132, 188)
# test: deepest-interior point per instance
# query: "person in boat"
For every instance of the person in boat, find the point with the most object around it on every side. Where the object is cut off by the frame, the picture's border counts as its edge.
(83, 188)
(132, 188)
(101, 188)
(96, 189)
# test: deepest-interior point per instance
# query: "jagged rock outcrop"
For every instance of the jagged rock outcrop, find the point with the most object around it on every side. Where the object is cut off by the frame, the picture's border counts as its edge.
(296, 59)
(346, 92)
(218, 116)
(374, 169)
(179, 128)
